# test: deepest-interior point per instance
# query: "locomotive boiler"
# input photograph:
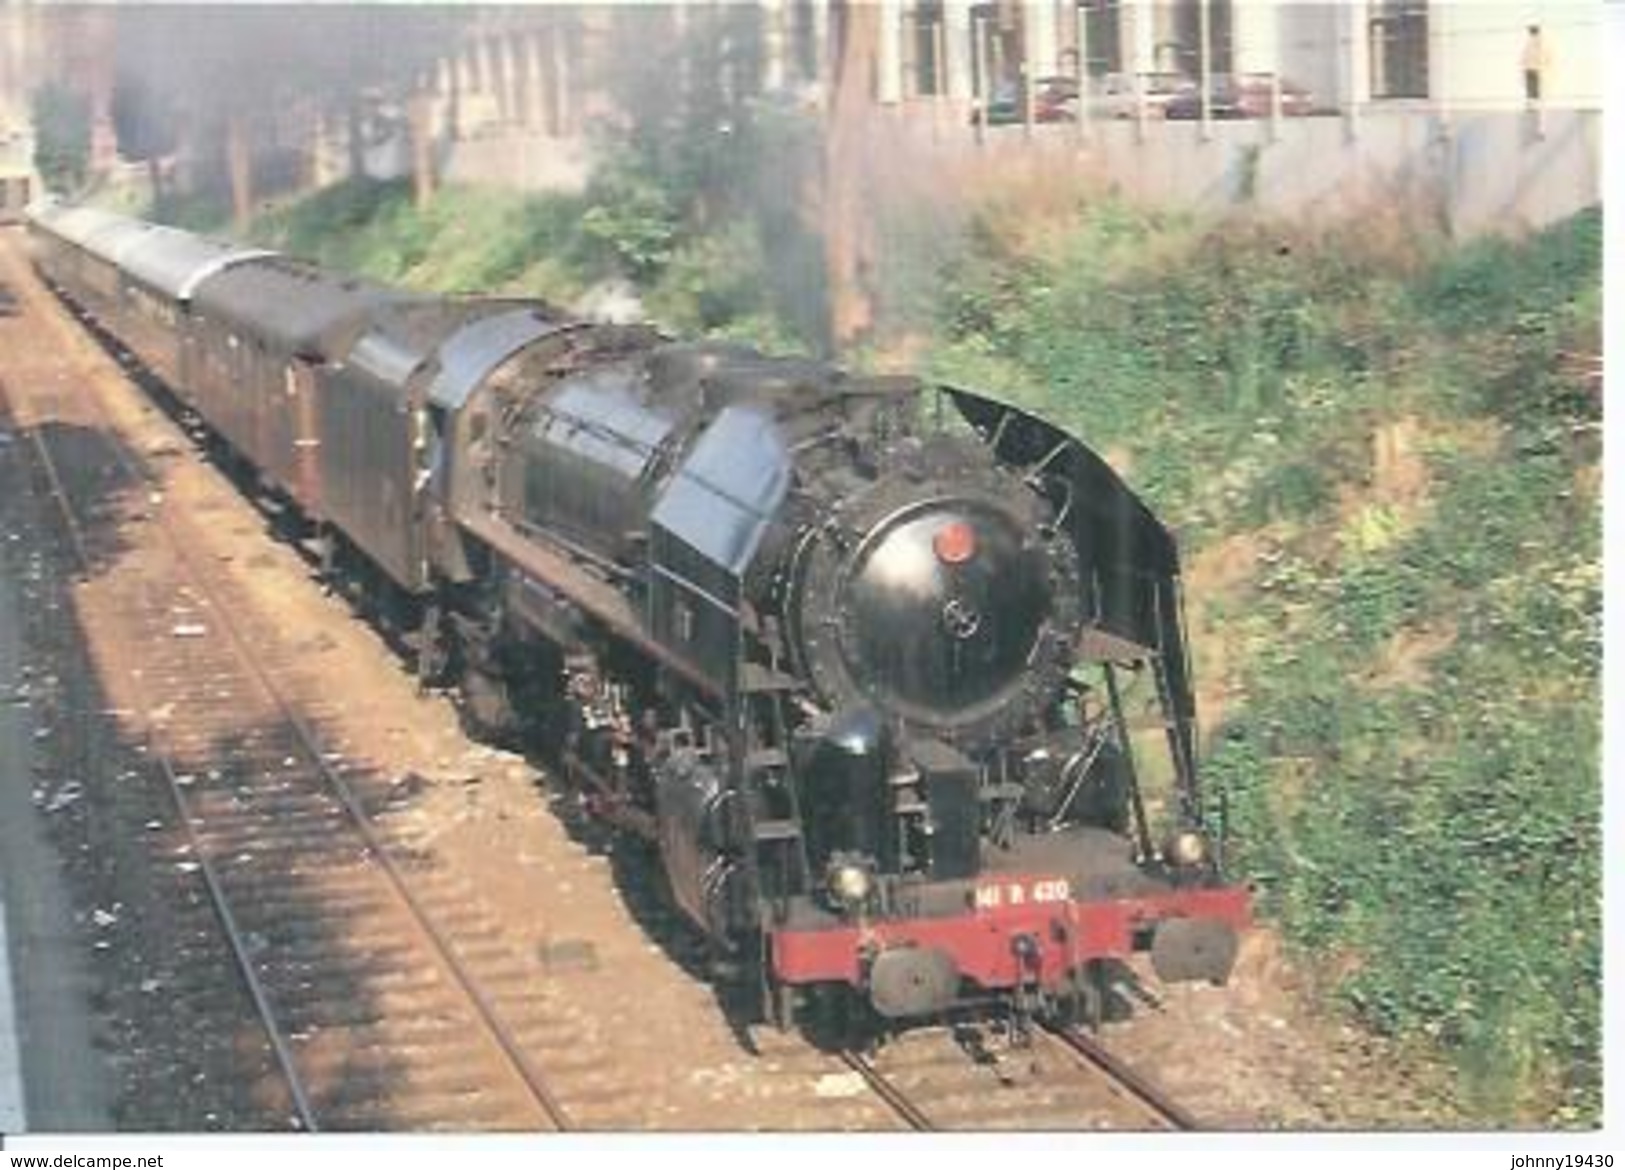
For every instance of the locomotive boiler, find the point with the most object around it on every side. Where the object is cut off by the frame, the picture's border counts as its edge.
(851, 651)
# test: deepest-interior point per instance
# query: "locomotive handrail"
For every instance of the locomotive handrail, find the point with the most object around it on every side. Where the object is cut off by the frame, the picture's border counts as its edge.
(1065, 511)
(1142, 826)
(1054, 453)
(1097, 744)
(1181, 723)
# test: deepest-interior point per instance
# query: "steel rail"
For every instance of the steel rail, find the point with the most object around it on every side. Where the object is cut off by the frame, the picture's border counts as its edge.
(533, 1078)
(274, 1032)
(239, 948)
(894, 1097)
(1090, 1051)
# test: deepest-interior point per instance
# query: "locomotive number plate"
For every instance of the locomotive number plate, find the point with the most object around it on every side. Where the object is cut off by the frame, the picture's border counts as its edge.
(1022, 892)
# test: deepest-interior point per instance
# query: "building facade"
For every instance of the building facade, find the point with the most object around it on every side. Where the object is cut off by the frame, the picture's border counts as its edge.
(18, 44)
(515, 92)
(1347, 53)
(40, 44)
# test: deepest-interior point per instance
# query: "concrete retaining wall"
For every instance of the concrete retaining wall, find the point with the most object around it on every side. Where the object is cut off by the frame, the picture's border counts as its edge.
(1505, 171)
(1471, 172)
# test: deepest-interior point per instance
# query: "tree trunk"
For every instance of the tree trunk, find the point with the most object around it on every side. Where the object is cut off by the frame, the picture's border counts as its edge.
(854, 35)
(240, 165)
(155, 178)
(358, 153)
(423, 174)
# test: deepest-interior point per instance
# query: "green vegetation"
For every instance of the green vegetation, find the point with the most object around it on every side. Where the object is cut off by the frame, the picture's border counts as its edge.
(697, 206)
(1402, 452)
(466, 241)
(555, 246)
(61, 136)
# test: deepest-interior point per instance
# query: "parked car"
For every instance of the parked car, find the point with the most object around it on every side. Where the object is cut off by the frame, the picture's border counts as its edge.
(1116, 95)
(1247, 95)
(1186, 105)
(8, 303)
(1055, 99)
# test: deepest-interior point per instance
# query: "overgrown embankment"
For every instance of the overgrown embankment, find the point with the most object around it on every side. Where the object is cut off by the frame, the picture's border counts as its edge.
(1384, 466)
(1382, 455)
(721, 249)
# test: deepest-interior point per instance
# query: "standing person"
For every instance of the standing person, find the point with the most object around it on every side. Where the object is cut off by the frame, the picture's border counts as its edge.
(1537, 63)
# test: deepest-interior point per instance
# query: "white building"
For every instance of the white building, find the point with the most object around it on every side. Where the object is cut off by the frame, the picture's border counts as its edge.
(1363, 53)
(17, 181)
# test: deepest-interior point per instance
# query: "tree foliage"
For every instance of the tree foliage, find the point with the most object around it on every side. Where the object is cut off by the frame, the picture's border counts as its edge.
(255, 78)
(61, 136)
(143, 122)
(705, 174)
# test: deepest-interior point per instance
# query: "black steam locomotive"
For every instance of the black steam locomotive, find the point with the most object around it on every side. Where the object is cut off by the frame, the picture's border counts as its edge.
(849, 650)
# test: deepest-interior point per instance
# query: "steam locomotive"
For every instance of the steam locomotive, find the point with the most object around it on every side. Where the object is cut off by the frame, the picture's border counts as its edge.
(851, 651)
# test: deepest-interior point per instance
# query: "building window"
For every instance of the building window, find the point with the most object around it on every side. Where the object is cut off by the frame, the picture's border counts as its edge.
(1399, 49)
(996, 47)
(1103, 34)
(1180, 48)
(804, 39)
(924, 45)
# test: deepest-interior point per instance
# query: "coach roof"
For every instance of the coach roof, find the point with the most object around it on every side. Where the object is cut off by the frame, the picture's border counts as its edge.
(175, 263)
(292, 306)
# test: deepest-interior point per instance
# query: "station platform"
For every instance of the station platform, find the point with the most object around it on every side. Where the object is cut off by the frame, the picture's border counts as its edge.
(13, 1114)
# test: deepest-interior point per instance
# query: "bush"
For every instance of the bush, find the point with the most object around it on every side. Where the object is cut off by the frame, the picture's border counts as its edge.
(61, 119)
(1409, 770)
(467, 240)
(630, 222)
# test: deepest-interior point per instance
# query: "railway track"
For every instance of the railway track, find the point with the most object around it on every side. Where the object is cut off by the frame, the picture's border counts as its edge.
(334, 945)
(387, 996)
(1065, 1080)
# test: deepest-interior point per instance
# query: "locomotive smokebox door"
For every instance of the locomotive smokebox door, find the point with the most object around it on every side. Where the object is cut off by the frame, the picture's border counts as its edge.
(913, 981)
(1193, 948)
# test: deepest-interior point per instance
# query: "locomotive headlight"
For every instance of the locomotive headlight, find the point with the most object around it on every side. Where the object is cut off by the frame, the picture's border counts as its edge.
(850, 883)
(1187, 849)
